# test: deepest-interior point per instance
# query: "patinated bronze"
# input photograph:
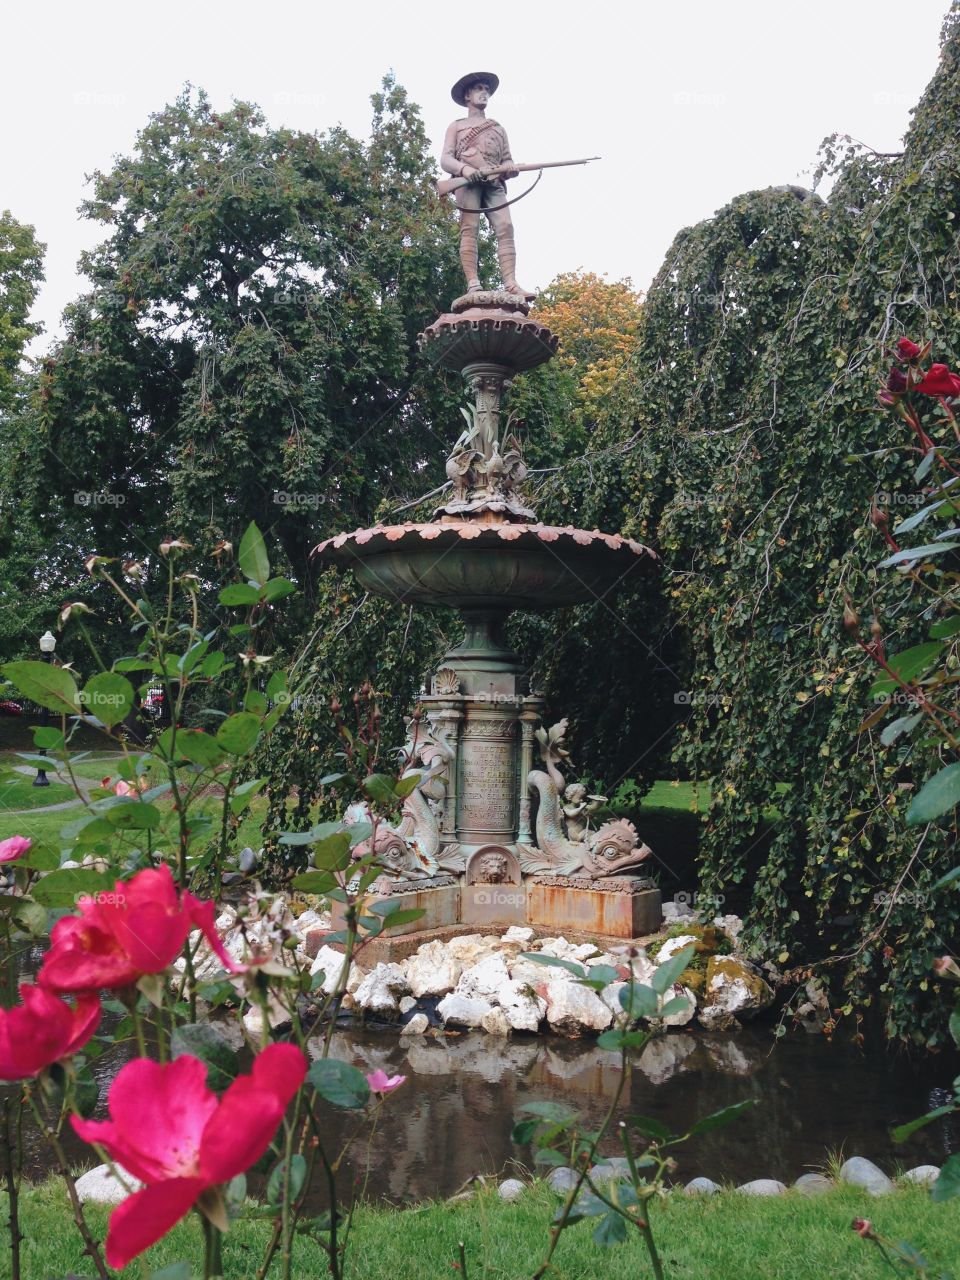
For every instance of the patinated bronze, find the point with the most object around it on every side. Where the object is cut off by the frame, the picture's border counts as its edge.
(472, 147)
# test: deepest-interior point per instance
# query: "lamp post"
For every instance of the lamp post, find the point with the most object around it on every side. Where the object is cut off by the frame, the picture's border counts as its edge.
(48, 642)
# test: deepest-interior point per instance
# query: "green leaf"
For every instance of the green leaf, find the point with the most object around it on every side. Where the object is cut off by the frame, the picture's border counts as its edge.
(945, 628)
(399, 918)
(46, 685)
(555, 1112)
(30, 916)
(679, 1004)
(937, 796)
(910, 554)
(610, 1230)
(949, 878)
(902, 725)
(277, 588)
(242, 795)
(555, 962)
(256, 702)
(380, 788)
(298, 1175)
(523, 1132)
(176, 1271)
(903, 1131)
(200, 1040)
(134, 814)
(320, 832)
(239, 593)
(339, 1083)
(254, 561)
(405, 786)
(720, 1118)
(649, 1128)
(947, 1185)
(315, 882)
(238, 734)
(333, 853)
(666, 974)
(908, 665)
(86, 1092)
(190, 744)
(954, 1025)
(63, 888)
(638, 1000)
(109, 697)
(48, 738)
(618, 1039)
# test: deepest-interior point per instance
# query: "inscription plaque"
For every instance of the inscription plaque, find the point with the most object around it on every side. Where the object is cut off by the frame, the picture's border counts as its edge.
(488, 782)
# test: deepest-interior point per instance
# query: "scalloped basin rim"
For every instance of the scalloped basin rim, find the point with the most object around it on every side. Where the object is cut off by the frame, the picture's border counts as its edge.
(489, 534)
(469, 565)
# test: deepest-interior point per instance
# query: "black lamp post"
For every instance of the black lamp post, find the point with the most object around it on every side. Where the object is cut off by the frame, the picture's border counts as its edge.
(48, 642)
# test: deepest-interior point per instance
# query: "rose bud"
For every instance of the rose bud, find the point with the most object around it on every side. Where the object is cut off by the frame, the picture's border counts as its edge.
(946, 967)
(896, 381)
(939, 381)
(907, 350)
(863, 1227)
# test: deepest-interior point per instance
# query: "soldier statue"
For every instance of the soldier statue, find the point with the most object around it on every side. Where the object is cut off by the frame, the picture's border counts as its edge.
(472, 148)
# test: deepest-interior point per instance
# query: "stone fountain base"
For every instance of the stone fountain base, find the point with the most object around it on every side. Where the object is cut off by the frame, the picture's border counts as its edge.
(619, 909)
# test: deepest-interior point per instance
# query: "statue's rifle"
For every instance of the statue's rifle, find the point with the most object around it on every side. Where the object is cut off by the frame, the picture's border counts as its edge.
(446, 185)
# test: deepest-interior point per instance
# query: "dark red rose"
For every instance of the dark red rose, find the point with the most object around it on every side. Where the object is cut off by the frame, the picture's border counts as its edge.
(896, 381)
(939, 381)
(907, 350)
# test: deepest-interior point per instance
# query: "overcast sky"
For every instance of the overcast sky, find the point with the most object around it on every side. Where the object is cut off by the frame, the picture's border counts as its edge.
(689, 103)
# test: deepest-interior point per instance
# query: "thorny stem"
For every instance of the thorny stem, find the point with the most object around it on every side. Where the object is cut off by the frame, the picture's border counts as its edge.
(90, 1245)
(12, 1109)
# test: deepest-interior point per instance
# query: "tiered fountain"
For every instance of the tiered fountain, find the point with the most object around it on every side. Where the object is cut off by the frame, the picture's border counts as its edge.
(492, 835)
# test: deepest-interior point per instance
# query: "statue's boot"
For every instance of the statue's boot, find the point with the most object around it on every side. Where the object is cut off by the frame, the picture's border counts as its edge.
(469, 258)
(507, 255)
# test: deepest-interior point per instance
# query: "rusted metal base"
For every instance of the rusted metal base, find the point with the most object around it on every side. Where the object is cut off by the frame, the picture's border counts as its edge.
(618, 909)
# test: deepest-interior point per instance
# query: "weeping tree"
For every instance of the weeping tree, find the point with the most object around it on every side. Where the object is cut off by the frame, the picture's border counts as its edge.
(246, 349)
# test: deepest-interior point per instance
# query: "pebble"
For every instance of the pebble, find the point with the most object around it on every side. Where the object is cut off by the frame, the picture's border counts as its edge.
(813, 1184)
(416, 1026)
(701, 1187)
(763, 1187)
(99, 1186)
(858, 1172)
(511, 1189)
(924, 1174)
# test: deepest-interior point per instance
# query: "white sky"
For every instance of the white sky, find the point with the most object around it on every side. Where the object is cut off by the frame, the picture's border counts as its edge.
(689, 103)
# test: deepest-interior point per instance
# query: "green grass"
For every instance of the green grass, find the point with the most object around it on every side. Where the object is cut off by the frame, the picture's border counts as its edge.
(19, 792)
(685, 797)
(727, 1237)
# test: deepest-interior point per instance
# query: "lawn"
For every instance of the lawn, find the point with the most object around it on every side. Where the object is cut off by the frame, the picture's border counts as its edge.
(18, 792)
(726, 1237)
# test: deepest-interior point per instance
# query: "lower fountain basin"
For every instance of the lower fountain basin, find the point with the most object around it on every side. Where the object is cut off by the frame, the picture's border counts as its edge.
(469, 564)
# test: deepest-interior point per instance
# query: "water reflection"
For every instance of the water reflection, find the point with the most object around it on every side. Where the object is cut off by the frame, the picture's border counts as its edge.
(453, 1117)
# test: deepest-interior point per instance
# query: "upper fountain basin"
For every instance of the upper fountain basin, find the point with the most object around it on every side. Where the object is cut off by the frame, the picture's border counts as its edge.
(469, 564)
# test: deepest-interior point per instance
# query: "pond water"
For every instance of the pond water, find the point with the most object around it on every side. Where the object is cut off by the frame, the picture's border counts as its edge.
(453, 1117)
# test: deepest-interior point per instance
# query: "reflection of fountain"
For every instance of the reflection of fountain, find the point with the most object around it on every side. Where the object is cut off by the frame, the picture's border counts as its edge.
(486, 814)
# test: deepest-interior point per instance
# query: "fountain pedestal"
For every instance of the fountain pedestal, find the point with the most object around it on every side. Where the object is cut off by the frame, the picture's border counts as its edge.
(488, 810)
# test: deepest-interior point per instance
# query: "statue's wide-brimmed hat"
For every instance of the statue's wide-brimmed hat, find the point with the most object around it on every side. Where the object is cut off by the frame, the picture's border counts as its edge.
(459, 90)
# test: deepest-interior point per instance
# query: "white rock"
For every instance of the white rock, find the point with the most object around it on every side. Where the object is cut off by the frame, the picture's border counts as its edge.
(763, 1187)
(701, 1187)
(538, 974)
(731, 925)
(379, 991)
(495, 1022)
(714, 1018)
(643, 968)
(511, 1189)
(732, 1058)
(682, 1016)
(416, 1026)
(674, 911)
(604, 957)
(813, 1184)
(925, 1174)
(523, 1007)
(858, 1172)
(674, 945)
(518, 933)
(735, 986)
(330, 961)
(434, 969)
(485, 978)
(253, 1018)
(469, 948)
(99, 1186)
(463, 1011)
(585, 951)
(611, 998)
(572, 1009)
(407, 1003)
(559, 947)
